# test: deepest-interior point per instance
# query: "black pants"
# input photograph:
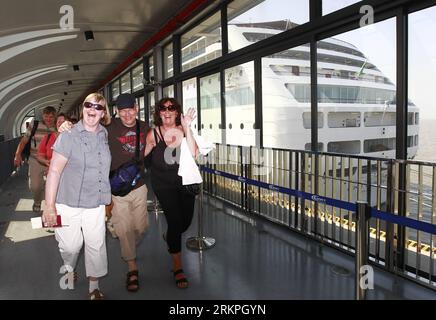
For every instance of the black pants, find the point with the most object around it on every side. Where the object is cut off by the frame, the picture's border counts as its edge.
(178, 208)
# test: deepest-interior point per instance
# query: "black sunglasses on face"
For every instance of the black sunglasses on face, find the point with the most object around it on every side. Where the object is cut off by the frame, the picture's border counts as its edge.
(96, 106)
(168, 108)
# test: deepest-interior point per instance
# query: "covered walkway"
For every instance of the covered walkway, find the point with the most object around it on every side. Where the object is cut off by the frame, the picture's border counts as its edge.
(253, 260)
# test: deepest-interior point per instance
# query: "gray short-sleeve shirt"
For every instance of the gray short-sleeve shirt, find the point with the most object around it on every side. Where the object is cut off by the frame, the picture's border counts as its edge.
(84, 182)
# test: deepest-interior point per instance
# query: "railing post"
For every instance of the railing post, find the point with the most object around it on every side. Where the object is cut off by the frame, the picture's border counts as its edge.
(153, 206)
(362, 218)
(200, 242)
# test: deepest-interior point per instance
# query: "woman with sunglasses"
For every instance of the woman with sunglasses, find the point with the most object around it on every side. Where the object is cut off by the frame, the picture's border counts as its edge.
(78, 189)
(178, 206)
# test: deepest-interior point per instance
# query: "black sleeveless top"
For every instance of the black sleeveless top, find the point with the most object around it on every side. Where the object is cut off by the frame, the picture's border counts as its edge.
(164, 164)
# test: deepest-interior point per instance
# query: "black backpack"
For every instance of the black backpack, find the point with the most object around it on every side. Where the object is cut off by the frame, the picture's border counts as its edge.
(26, 151)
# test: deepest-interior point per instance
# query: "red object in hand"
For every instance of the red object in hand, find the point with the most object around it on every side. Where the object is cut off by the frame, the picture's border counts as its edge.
(57, 225)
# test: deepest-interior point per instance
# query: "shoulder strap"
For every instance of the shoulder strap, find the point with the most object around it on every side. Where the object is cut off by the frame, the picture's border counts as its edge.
(162, 137)
(35, 126)
(137, 141)
(48, 138)
(155, 135)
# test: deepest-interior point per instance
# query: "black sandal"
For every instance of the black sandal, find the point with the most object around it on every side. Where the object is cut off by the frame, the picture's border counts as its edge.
(180, 281)
(132, 282)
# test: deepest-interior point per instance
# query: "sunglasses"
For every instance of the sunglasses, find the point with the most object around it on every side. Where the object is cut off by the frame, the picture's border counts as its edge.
(169, 108)
(96, 106)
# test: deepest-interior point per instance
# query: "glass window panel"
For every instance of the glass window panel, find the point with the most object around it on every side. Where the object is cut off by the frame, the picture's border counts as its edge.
(168, 91)
(239, 97)
(141, 108)
(286, 101)
(422, 77)
(151, 68)
(202, 43)
(329, 6)
(168, 61)
(358, 104)
(210, 106)
(251, 21)
(138, 77)
(190, 96)
(115, 90)
(151, 103)
(125, 83)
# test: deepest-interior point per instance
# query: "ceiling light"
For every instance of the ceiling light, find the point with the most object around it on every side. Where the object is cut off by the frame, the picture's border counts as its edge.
(89, 35)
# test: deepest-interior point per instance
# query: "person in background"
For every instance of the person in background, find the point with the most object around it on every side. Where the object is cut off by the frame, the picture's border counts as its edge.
(78, 189)
(36, 170)
(178, 206)
(73, 120)
(45, 151)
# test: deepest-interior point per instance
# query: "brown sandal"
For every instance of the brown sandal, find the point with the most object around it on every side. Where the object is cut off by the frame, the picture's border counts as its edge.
(182, 282)
(96, 295)
(132, 285)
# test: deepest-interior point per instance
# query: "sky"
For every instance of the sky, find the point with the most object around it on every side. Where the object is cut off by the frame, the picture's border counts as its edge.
(377, 42)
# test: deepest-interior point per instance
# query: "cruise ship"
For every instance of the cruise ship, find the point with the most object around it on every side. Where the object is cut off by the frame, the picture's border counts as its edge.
(356, 111)
(356, 101)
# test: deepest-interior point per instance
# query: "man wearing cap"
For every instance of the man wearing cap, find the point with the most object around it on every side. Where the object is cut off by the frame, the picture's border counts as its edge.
(129, 213)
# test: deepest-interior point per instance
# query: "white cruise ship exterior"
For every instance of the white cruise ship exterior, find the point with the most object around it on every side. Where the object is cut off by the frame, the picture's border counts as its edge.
(356, 101)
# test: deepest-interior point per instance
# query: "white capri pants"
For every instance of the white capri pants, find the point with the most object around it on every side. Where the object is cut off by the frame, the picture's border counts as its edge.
(88, 225)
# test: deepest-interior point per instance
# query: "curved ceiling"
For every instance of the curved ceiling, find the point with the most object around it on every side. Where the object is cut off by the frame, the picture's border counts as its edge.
(37, 52)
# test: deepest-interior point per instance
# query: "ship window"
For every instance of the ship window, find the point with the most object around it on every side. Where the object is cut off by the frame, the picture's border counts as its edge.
(307, 124)
(343, 119)
(416, 117)
(350, 147)
(409, 141)
(379, 119)
(378, 145)
(308, 147)
(410, 118)
(339, 48)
